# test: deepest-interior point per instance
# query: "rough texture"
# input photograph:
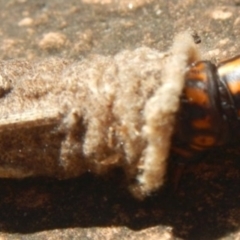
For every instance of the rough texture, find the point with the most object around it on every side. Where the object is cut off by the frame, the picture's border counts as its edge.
(206, 204)
(160, 111)
(62, 119)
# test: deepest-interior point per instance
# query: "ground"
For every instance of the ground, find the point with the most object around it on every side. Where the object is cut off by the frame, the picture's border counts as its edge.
(206, 204)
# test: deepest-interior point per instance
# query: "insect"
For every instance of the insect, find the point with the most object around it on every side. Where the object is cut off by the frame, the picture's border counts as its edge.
(209, 112)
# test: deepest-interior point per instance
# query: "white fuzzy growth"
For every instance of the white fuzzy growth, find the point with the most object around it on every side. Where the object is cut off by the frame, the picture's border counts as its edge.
(160, 113)
(63, 119)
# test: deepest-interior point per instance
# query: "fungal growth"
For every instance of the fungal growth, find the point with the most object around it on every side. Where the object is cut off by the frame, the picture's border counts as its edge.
(61, 118)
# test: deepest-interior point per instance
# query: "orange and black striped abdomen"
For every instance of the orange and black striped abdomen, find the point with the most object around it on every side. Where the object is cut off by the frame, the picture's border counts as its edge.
(200, 123)
(229, 74)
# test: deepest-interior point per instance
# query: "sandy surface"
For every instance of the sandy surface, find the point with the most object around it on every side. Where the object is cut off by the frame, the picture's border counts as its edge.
(207, 203)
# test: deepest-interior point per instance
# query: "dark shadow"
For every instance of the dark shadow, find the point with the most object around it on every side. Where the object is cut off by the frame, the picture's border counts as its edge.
(205, 206)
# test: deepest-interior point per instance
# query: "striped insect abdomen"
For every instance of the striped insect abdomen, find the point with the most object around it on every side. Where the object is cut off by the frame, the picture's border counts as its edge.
(200, 123)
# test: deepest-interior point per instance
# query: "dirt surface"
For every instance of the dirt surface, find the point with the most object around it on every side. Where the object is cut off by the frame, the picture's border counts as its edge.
(206, 205)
